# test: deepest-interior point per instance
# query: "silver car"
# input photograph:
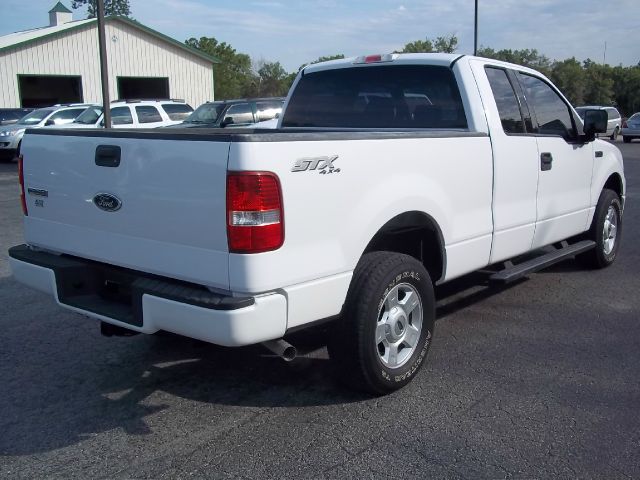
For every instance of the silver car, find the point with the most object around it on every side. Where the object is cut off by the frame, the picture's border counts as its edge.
(614, 119)
(631, 128)
(11, 135)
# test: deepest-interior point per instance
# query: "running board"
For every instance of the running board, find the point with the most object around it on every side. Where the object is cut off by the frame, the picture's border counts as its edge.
(516, 272)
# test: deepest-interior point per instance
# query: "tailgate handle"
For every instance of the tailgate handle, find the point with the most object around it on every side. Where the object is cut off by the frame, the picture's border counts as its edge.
(108, 155)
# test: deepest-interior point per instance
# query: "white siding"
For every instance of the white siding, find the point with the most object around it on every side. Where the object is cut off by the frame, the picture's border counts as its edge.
(134, 54)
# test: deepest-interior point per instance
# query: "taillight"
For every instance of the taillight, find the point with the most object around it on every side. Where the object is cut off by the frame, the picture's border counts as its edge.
(387, 57)
(23, 199)
(255, 221)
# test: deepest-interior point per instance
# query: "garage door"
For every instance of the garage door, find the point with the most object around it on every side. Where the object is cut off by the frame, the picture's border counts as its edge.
(45, 90)
(143, 88)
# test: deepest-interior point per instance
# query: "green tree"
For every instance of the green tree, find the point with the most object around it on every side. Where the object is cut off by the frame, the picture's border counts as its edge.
(526, 57)
(569, 77)
(111, 7)
(419, 46)
(448, 44)
(599, 83)
(233, 76)
(272, 80)
(322, 59)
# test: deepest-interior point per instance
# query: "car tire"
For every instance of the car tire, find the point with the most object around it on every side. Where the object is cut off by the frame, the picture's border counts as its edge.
(385, 331)
(615, 133)
(606, 231)
(626, 139)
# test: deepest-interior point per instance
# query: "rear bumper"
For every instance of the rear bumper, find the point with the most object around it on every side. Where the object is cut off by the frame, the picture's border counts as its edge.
(146, 303)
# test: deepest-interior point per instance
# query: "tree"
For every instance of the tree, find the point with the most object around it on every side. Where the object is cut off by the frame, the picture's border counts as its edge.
(419, 46)
(322, 59)
(233, 76)
(527, 57)
(569, 77)
(111, 7)
(447, 44)
(272, 79)
(599, 83)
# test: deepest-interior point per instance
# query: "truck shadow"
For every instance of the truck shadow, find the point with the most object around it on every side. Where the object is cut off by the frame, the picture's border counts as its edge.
(63, 382)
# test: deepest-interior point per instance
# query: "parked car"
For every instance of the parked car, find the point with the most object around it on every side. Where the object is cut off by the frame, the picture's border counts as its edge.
(241, 112)
(631, 128)
(346, 214)
(10, 116)
(614, 120)
(11, 135)
(134, 114)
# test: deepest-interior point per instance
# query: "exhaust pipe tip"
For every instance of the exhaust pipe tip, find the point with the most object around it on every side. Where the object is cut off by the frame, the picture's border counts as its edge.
(282, 348)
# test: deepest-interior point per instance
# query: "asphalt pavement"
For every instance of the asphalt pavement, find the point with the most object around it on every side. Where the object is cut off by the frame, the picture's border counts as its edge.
(539, 380)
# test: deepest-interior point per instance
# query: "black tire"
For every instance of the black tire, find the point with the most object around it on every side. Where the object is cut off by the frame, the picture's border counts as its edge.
(352, 345)
(626, 139)
(614, 135)
(599, 257)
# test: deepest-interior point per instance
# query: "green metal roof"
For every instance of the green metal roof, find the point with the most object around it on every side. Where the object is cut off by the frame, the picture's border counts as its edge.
(60, 8)
(49, 32)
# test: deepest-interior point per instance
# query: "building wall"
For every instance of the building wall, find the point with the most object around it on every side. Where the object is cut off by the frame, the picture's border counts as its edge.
(134, 53)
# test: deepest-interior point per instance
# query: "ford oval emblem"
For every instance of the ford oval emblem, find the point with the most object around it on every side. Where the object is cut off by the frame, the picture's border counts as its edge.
(107, 202)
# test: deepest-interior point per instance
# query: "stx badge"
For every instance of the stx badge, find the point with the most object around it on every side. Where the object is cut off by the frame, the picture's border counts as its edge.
(324, 165)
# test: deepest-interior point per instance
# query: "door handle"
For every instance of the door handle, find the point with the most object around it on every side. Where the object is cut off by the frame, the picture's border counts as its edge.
(108, 155)
(546, 161)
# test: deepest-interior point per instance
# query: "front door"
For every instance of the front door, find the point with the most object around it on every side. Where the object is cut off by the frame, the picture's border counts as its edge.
(565, 165)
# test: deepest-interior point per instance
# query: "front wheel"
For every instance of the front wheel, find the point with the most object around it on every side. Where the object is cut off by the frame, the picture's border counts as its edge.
(606, 231)
(384, 335)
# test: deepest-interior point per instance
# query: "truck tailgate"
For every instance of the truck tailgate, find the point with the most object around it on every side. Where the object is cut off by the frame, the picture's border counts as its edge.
(171, 217)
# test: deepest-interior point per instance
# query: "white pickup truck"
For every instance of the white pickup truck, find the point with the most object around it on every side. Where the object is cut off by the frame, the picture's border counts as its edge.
(386, 174)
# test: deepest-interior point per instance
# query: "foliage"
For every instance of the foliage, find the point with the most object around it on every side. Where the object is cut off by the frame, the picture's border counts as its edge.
(447, 44)
(111, 7)
(233, 76)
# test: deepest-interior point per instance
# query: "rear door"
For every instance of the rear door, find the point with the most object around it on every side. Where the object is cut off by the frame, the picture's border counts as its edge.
(565, 164)
(515, 159)
(136, 200)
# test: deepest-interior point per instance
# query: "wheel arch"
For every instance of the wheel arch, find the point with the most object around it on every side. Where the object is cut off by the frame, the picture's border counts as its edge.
(417, 234)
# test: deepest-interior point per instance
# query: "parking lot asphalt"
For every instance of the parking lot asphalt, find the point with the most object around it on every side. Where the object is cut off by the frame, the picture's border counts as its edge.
(540, 380)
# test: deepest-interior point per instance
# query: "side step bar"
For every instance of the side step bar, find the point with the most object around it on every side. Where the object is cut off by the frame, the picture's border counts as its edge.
(516, 272)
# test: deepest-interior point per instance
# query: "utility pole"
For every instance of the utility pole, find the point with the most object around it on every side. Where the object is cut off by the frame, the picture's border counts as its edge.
(104, 72)
(604, 55)
(475, 32)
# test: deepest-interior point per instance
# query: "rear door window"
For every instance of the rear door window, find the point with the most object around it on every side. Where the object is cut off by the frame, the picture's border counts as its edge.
(385, 96)
(506, 100)
(121, 116)
(148, 114)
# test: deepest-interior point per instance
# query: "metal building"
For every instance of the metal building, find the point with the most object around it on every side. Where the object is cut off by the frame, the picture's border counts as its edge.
(60, 64)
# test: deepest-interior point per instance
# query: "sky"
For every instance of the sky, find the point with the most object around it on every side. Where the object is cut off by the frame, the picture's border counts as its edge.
(296, 32)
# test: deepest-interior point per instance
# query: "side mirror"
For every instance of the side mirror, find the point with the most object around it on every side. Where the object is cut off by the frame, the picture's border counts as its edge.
(228, 120)
(49, 122)
(595, 121)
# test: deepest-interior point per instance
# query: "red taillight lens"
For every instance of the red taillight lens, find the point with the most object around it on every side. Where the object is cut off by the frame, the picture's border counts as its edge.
(255, 220)
(23, 199)
(372, 58)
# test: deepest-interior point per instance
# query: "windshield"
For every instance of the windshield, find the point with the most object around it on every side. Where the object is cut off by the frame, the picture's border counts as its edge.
(206, 113)
(90, 116)
(35, 117)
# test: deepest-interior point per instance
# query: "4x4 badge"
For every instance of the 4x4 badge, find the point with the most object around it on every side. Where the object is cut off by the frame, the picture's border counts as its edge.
(324, 165)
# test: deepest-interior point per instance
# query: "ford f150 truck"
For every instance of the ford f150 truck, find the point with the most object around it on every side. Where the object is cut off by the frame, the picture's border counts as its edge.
(387, 174)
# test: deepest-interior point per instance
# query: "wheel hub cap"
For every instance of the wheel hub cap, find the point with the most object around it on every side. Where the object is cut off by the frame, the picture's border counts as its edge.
(610, 230)
(399, 325)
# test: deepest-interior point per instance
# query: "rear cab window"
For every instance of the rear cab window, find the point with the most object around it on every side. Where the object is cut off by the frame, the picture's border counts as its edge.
(386, 96)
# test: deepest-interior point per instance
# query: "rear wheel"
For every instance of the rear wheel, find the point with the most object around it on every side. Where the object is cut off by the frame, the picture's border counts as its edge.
(385, 333)
(606, 231)
(615, 133)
